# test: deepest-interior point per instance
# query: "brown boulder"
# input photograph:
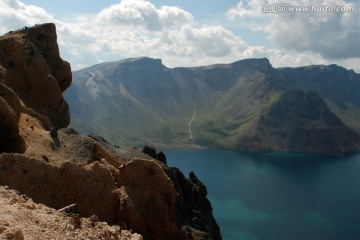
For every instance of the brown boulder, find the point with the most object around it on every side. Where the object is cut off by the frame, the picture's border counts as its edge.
(32, 68)
(138, 195)
(91, 187)
(147, 200)
(44, 37)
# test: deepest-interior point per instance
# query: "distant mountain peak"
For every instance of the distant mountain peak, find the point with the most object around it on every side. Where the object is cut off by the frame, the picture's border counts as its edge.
(142, 60)
(263, 63)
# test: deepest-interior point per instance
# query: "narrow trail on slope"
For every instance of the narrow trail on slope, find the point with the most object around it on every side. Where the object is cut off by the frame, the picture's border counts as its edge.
(190, 123)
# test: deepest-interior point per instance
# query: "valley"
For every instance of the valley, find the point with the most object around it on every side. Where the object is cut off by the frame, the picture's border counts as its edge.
(140, 101)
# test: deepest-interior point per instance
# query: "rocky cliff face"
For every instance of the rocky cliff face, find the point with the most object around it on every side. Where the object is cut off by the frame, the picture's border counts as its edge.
(32, 79)
(301, 122)
(337, 86)
(32, 68)
(123, 187)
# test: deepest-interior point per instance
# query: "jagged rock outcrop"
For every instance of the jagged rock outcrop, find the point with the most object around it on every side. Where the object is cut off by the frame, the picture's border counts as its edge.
(301, 122)
(30, 65)
(199, 224)
(152, 153)
(147, 200)
(125, 187)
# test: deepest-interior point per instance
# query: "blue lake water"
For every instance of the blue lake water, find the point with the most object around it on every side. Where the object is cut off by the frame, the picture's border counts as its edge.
(275, 196)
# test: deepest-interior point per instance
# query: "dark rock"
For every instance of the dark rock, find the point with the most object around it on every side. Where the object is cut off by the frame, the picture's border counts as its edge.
(149, 151)
(193, 210)
(46, 159)
(152, 153)
(161, 157)
(54, 132)
(94, 218)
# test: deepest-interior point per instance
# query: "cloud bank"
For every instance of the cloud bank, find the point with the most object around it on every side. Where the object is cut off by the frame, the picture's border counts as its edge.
(143, 14)
(332, 34)
(133, 28)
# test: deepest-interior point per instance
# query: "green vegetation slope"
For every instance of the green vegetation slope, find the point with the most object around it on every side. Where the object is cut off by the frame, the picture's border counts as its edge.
(140, 101)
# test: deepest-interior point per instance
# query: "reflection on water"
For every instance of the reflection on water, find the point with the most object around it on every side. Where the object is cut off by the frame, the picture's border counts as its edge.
(264, 196)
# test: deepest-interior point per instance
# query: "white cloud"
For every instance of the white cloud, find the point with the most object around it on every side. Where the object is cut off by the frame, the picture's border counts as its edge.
(281, 59)
(206, 41)
(352, 63)
(15, 14)
(135, 28)
(141, 13)
(246, 9)
(179, 43)
(333, 35)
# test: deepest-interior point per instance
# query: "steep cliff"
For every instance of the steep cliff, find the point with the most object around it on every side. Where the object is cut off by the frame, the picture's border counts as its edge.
(124, 187)
(301, 122)
(32, 68)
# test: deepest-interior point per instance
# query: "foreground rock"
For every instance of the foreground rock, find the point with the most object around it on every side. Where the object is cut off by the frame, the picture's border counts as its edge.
(21, 218)
(122, 187)
(32, 68)
(32, 79)
(138, 195)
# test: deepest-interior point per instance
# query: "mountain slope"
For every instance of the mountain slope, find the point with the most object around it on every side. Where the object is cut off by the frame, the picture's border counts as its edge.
(220, 105)
(141, 99)
(301, 122)
(337, 86)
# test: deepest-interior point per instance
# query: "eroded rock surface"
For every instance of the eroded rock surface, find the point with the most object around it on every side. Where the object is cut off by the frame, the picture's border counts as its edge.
(147, 199)
(142, 194)
(31, 66)
(123, 187)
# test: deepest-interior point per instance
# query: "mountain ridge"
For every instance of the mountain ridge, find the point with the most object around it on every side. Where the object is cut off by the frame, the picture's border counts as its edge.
(229, 99)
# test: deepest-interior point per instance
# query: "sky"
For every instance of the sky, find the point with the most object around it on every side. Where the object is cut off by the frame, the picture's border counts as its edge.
(196, 32)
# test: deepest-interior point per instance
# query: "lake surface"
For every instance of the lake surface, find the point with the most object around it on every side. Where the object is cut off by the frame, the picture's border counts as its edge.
(265, 196)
